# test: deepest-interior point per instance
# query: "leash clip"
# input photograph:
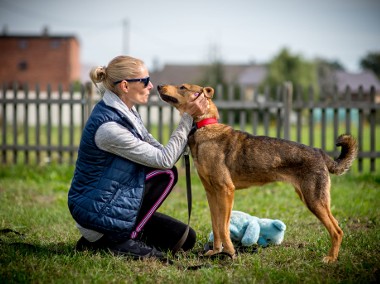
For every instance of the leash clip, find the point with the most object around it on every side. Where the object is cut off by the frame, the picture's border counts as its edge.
(186, 151)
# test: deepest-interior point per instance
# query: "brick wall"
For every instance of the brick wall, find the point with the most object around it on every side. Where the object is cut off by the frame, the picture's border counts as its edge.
(39, 60)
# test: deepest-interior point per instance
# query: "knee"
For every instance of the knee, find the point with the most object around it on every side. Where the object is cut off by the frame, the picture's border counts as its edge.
(190, 241)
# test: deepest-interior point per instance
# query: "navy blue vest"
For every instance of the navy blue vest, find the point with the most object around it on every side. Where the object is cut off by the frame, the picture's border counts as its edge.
(107, 190)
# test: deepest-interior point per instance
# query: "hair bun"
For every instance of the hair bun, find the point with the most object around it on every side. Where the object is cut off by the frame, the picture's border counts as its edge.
(101, 73)
(98, 74)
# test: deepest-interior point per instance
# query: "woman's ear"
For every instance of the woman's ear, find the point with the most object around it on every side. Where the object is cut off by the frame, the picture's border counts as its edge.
(208, 92)
(124, 86)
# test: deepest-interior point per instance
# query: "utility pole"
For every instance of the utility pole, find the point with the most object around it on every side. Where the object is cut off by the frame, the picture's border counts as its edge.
(125, 42)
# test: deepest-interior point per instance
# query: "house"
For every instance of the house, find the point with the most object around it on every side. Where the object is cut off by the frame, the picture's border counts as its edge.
(246, 75)
(354, 81)
(194, 74)
(39, 59)
(249, 77)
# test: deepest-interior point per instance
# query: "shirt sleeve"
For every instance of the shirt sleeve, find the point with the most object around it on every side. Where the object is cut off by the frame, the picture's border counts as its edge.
(117, 139)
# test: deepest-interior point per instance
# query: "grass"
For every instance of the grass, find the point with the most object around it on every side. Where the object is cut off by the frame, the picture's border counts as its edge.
(34, 204)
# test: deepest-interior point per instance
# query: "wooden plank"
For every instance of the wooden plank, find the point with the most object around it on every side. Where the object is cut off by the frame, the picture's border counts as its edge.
(243, 113)
(14, 123)
(298, 108)
(71, 125)
(310, 99)
(288, 99)
(4, 123)
(360, 131)
(348, 99)
(49, 118)
(38, 125)
(60, 125)
(372, 123)
(266, 111)
(26, 126)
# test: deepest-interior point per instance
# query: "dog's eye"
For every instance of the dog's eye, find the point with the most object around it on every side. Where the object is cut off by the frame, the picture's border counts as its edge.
(182, 88)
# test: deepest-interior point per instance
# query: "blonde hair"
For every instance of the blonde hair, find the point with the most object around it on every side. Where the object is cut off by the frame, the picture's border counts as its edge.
(119, 68)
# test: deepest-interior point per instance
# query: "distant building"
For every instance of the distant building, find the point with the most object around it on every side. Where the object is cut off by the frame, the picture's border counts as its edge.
(39, 59)
(366, 80)
(246, 75)
(194, 74)
(250, 76)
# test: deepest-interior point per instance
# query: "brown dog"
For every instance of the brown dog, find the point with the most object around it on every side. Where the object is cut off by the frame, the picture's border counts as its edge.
(227, 159)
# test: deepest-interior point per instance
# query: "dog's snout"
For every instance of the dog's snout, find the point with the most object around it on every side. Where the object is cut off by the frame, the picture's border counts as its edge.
(159, 87)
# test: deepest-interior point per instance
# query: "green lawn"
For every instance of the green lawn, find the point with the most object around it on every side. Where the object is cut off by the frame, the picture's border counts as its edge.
(34, 204)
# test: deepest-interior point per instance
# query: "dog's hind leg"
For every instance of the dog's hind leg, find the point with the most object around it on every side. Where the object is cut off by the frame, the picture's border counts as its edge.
(336, 234)
(317, 198)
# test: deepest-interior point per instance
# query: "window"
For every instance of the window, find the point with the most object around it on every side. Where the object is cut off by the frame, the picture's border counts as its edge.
(23, 44)
(55, 44)
(22, 65)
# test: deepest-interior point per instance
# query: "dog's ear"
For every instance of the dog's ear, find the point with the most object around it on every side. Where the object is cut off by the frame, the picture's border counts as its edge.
(208, 92)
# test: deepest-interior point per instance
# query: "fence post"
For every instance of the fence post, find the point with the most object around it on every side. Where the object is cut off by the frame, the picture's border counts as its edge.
(372, 123)
(3, 123)
(288, 106)
(90, 101)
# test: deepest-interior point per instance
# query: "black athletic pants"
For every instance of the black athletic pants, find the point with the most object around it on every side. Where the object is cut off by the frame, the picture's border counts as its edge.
(154, 228)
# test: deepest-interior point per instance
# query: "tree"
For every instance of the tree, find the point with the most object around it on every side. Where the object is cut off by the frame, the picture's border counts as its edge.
(214, 75)
(371, 62)
(288, 67)
(214, 72)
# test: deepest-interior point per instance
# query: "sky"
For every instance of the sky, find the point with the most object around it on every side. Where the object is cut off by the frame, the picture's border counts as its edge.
(196, 31)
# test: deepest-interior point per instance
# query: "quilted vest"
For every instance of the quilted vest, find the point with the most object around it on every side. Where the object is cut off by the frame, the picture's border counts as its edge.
(107, 190)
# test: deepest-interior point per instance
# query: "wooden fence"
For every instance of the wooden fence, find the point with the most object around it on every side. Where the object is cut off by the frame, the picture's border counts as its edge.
(39, 127)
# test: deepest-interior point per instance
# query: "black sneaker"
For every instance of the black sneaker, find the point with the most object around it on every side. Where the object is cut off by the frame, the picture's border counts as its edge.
(135, 249)
(83, 244)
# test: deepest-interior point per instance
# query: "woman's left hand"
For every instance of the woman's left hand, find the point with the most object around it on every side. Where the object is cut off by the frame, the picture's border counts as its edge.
(197, 105)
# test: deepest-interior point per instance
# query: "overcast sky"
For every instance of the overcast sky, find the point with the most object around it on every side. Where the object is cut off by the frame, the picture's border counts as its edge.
(174, 31)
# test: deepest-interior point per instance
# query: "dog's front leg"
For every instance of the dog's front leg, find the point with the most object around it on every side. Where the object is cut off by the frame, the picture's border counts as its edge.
(225, 204)
(212, 203)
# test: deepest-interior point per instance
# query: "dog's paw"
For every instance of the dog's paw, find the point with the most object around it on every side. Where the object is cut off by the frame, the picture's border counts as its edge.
(233, 255)
(210, 252)
(329, 259)
(217, 255)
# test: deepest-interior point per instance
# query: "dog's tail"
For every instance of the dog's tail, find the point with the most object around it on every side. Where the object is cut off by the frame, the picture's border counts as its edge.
(347, 155)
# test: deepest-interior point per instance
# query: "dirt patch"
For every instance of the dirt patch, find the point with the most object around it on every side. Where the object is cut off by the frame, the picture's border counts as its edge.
(44, 199)
(294, 245)
(356, 224)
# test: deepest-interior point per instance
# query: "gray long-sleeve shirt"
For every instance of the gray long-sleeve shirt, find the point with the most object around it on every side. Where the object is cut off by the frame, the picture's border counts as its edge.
(114, 138)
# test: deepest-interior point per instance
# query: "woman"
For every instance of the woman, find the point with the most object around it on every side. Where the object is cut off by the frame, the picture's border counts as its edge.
(122, 173)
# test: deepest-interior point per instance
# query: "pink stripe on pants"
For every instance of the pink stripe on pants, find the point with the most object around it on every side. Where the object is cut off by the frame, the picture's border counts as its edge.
(159, 201)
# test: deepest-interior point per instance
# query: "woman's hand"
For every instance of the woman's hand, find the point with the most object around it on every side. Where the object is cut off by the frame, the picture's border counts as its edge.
(197, 105)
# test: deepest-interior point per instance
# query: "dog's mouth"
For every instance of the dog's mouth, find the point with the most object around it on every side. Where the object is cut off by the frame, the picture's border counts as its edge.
(168, 99)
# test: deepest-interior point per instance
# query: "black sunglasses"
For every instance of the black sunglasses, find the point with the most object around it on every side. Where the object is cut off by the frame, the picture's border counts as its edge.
(143, 80)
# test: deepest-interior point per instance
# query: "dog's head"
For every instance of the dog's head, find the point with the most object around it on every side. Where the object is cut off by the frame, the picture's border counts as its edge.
(178, 96)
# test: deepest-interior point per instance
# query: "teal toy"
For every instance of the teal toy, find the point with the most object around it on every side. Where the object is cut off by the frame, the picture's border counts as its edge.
(247, 230)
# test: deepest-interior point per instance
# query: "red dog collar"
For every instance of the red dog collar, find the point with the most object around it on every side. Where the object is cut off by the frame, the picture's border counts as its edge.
(206, 121)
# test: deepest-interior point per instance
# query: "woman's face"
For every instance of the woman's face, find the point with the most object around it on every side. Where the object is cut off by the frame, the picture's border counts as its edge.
(135, 93)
